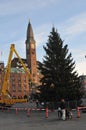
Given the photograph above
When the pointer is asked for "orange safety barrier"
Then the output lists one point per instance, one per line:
(16, 111)
(78, 112)
(46, 112)
(2, 109)
(8, 109)
(28, 112)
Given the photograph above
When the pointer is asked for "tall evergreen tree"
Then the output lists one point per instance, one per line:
(59, 80)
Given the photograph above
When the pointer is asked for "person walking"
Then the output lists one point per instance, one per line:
(63, 108)
(59, 113)
(37, 103)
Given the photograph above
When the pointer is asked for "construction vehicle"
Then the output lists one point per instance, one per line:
(5, 97)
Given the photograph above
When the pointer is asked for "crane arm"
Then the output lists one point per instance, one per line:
(7, 73)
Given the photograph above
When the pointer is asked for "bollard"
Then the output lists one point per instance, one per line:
(16, 111)
(2, 109)
(47, 112)
(78, 112)
(8, 109)
(28, 112)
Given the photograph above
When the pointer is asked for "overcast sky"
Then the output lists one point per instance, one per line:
(67, 16)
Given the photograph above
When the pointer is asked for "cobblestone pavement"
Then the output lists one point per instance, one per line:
(10, 120)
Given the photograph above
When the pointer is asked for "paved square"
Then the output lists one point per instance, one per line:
(37, 120)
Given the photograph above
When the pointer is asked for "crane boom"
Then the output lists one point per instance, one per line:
(7, 73)
(4, 91)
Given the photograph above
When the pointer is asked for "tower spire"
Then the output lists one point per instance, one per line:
(31, 52)
(30, 35)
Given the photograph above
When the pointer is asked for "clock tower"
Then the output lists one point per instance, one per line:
(31, 52)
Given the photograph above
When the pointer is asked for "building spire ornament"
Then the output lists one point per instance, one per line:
(30, 35)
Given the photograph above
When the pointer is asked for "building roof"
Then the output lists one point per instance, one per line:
(16, 66)
(17, 70)
(15, 62)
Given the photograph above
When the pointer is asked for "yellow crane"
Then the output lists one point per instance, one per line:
(5, 98)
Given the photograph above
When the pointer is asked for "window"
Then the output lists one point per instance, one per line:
(19, 88)
(14, 88)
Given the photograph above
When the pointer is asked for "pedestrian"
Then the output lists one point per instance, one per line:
(63, 108)
(37, 103)
(59, 113)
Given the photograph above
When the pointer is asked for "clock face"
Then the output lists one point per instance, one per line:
(32, 46)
